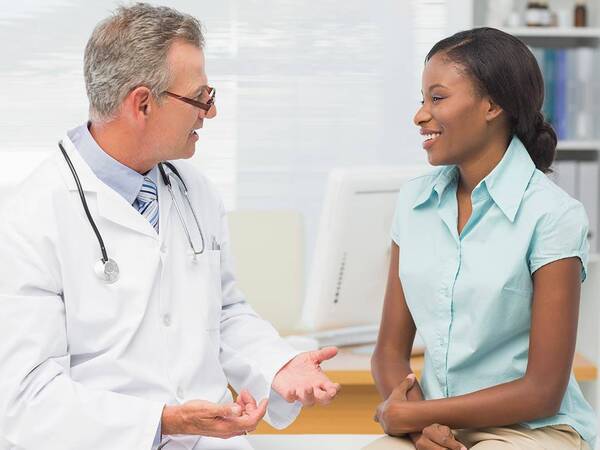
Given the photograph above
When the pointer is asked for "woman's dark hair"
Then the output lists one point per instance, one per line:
(502, 67)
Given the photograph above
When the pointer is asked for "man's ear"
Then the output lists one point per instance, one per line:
(139, 102)
(493, 109)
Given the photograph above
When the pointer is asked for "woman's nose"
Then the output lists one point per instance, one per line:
(421, 116)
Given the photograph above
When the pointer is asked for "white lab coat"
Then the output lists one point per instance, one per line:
(89, 365)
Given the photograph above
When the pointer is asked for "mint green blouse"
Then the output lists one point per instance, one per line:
(470, 295)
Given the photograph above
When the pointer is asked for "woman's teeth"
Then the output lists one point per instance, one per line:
(431, 136)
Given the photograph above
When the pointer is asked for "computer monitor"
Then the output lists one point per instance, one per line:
(348, 276)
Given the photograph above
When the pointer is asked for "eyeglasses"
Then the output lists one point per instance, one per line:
(205, 106)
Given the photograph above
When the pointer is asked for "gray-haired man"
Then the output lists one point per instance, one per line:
(92, 357)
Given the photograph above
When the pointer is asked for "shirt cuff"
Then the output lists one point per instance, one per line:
(158, 437)
(280, 413)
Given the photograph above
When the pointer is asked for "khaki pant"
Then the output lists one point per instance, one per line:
(559, 437)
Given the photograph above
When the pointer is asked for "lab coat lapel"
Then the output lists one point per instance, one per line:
(110, 205)
(165, 202)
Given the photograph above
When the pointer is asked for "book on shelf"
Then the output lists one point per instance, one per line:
(570, 90)
(580, 180)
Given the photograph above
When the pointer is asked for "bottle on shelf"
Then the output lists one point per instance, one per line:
(537, 14)
(580, 16)
(532, 14)
(546, 14)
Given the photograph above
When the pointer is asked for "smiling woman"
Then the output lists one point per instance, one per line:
(487, 260)
(458, 89)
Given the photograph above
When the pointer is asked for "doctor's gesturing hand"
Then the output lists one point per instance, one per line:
(199, 417)
(303, 380)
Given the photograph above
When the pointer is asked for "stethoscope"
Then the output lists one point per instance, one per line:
(107, 268)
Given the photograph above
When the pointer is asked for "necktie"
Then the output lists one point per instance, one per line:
(148, 202)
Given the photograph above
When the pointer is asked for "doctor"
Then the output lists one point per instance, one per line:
(122, 330)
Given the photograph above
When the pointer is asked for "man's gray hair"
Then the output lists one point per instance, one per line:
(129, 49)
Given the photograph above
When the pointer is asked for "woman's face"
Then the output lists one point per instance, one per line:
(453, 117)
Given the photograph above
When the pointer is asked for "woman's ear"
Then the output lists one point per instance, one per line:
(493, 109)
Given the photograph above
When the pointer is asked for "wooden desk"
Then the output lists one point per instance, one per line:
(352, 410)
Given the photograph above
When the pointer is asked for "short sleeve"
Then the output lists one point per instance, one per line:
(397, 217)
(561, 234)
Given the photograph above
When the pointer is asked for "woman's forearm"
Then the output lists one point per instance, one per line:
(514, 402)
(388, 372)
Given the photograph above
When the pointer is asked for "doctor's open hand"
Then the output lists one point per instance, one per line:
(199, 417)
(302, 379)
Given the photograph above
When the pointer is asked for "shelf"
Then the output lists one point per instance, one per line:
(577, 151)
(575, 146)
(555, 32)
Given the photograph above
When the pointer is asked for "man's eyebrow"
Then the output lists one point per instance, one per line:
(198, 90)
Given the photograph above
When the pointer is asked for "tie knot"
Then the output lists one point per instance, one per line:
(148, 191)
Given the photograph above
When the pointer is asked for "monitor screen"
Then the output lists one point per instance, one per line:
(348, 276)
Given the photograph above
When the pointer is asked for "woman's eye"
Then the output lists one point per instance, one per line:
(434, 99)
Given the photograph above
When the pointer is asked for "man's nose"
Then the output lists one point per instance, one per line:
(211, 113)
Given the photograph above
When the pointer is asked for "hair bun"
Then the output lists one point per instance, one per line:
(542, 144)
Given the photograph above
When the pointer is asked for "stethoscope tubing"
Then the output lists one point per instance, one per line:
(183, 189)
(85, 205)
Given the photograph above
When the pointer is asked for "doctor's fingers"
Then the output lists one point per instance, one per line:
(322, 397)
(325, 392)
(306, 395)
(324, 354)
(246, 401)
(248, 422)
(252, 414)
(331, 388)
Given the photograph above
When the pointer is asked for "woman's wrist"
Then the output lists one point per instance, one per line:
(408, 417)
(414, 437)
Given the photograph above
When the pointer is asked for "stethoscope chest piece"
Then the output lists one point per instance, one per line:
(107, 271)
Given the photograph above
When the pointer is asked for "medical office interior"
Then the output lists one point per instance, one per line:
(313, 139)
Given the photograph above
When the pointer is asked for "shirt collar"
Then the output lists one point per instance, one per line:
(508, 181)
(440, 180)
(122, 179)
(506, 184)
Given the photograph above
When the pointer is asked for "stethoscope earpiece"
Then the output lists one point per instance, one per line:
(107, 271)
